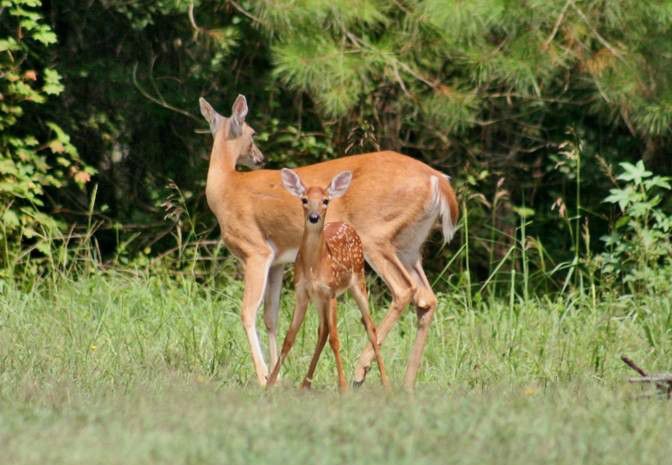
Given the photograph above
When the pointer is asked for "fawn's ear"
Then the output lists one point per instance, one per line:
(238, 114)
(292, 182)
(211, 116)
(339, 184)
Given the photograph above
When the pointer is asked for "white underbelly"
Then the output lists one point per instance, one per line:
(285, 256)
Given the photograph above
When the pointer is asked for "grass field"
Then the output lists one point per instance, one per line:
(130, 368)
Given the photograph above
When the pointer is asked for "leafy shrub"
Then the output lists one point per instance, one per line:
(639, 243)
(35, 153)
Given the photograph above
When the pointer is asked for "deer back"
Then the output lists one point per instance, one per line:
(391, 197)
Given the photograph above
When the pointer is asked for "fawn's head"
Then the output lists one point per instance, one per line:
(234, 130)
(315, 200)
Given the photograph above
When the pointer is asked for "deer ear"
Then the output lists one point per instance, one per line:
(339, 184)
(211, 116)
(238, 114)
(292, 182)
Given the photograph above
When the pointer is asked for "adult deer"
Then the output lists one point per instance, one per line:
(393, 202)
(330, 260)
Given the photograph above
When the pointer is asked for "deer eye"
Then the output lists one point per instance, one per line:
(325, 202)
(304, 201)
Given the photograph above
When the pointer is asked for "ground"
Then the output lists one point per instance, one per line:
(130, 368)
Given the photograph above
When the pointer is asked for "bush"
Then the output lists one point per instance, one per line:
(35, 153)
(639, 247)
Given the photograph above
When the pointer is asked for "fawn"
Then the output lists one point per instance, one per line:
(329, 261)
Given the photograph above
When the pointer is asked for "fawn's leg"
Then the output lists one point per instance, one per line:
(297, 319)
(322, 333)
(335, 343)
(358, 290)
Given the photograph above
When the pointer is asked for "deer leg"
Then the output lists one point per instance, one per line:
(297, 319)
(322, 333)
(401, 285)
(335, 343)
(358, 290)
(256, 272)
(271, 308)
(425, 302)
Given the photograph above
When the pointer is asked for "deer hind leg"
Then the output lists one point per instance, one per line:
(271, 308)
(322, 333)
(358, 290)
(335, 343)
(402, 287)
(425, 304)
(256, 273)
(297, 319)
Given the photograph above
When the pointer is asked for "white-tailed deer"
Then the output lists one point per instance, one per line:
(393, 202)
(329, 261)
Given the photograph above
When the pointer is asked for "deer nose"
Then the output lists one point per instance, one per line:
(313, 218)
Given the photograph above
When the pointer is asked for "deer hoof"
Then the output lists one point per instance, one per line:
(359, 378)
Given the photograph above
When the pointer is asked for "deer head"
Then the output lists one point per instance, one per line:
(315, 200)
(235, 131)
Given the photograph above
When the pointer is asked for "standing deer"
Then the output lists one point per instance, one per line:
(329, 261)
(393, 202)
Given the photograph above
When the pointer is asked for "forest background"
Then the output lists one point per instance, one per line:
(528, 106)
(120, 334)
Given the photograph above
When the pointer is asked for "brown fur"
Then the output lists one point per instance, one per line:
(391, 203)
(329, 261)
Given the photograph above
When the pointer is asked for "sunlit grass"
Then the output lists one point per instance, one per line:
(122, 367)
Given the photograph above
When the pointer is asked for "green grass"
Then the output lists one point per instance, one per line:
(204, 423)
(123, 367)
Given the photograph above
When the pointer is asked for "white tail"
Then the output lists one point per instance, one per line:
(390, 203)
(442, 203)
(330, 260)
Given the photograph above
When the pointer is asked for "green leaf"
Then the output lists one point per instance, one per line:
(524, 212)
(611, 239)
(657, 181)
(52, 82)
(64, 144)
(8, 44)
(623, 197)
(44, 247)
(10, 219)
(634, 172)
(622, 221)
(8, 167)
(45, 35)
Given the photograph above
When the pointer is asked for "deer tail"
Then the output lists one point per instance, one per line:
(446, 203)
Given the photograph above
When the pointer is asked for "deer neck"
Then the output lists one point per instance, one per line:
(313, 249)
(221, 170)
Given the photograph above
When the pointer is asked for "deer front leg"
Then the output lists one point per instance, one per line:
(256, 272)
(297, 319)
(322, 334)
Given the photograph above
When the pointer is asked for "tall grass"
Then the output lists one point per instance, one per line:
(131, 367)
(145, 361)
(118, 328)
